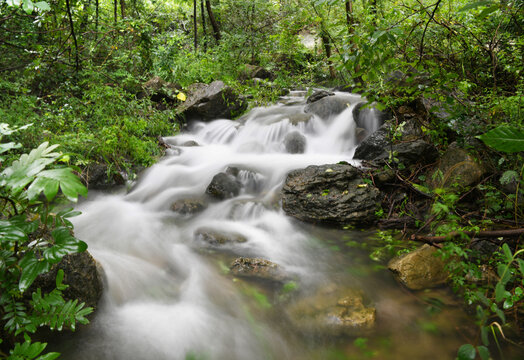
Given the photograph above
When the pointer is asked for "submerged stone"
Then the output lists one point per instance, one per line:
(420, 269)
(223, 186)
(189, 206)
(332, 311)
(218, 237)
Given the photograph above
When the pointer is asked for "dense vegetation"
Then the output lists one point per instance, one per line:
(75, 69)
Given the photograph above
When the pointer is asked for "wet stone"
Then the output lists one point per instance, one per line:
(258, 269)
(189, 206)
(223, 186)
(218, 237)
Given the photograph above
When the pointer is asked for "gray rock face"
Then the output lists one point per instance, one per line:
(295, 143)
(98, 178)
(189, 206)
(223, 186)
(374, 145)
(458, 167)
(328, 106)
(369, 117)
(317, 95)
(159, 90)
(413, 152)
(216, 237)
(258, 269)
(213, 101)
(83, 275)
(331, 194)
(420, 269)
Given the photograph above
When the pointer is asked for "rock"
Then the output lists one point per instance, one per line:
(332, 311)
(420, 269)
(361, 134)
(254, 71)
(249, 180)
(436, 108)
(374, 145)
(159, 90)
(190, 143)
(259, 269)
(82, 273)
(330, 194)
(223, 186)
(295, 142)
(213, 101)
(98, 177)
(298, 118)
(369, 117)
(317, 95)
(189, 206)
(410, 153)
(216, 237)
(459, 168)
(329, 106)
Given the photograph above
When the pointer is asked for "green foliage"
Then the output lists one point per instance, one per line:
(505, 138)
(33, 237)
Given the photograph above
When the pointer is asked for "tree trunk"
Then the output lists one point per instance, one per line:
(115, 8)
(327, 48)
(195, 23)
(349, 15)
(203, 14)
(123, 8)
(214, 23)
(77, 59)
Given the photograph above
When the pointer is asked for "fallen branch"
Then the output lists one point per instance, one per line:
(481, 234)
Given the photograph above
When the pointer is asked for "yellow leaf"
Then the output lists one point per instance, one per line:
(181, 96)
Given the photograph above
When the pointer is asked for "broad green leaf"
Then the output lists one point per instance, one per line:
(28, 6)
(49, 356)
(466, 352)
(507, 253)
(42, 184)
(476, 5)
(65, 243)
(42, 5)
(484, 13)
(9, 146)
(484, 335)
(483, 352)
(11, 233)
(504, 273)
(69, 183)
(505, 138)
(521, 266)
(31, 268)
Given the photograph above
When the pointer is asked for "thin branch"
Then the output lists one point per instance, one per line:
(421, 51)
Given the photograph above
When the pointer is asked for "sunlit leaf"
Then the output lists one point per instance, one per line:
(505, 138)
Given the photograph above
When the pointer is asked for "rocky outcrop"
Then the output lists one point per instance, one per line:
(410, 153)
(374, 145)
(420, 269)
(256, 72)
(329, 106)
(223, 186)
(333, 311)
(189, 206)
(258, 269)
(98, 177)
(317, 95)
(331, 194)
(218, 237)
(295, 142)
(213, 101)
(159, 90)
(83, 275)
(458, 167)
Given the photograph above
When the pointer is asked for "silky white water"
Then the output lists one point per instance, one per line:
(168, 296)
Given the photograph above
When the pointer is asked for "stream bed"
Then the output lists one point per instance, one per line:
(170, 292)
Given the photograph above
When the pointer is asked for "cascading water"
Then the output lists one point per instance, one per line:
(168, 294)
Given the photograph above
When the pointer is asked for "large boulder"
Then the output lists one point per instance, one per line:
(213, 101)
(420, 269)
(458, 167)
(223, 186)
(410, 153)
(82, 273)
(329, 106)
(258, 269)
(99, 177)
(256, 72)
(332, 311)
(331, 194)
(160, 91)
(295, 142)
(317, 95)
(374, 145)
